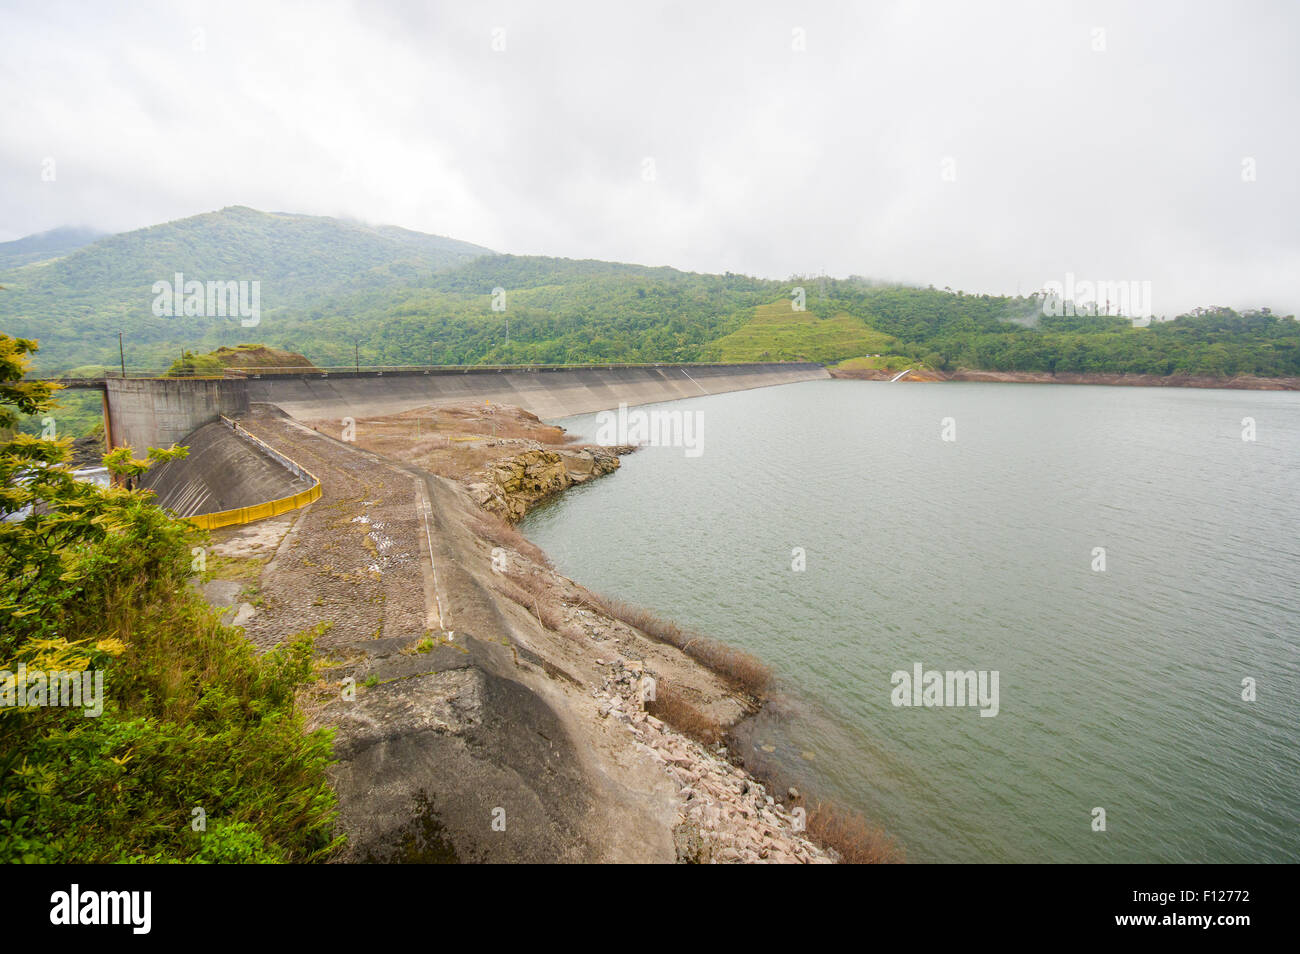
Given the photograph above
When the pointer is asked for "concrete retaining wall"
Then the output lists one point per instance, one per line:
(547, 392)
(159, 412)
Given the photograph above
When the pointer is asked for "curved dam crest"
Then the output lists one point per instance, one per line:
(222, 472)
(547, 392)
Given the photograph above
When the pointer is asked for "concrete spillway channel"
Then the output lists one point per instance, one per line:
(222, 472)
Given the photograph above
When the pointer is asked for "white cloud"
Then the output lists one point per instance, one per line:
(1122, 164)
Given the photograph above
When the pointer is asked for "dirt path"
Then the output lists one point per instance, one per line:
(353, 559)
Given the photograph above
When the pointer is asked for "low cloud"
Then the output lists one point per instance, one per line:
(990, 147)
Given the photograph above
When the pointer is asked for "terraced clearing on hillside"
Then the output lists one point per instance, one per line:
(778, 333)
(882, 362)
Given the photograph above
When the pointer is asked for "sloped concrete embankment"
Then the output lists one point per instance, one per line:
(472, 731)
(221, 472)
(547, 392)
(457, 743)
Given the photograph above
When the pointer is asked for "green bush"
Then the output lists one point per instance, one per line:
(199, 753)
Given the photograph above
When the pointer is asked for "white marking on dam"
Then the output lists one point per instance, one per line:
(426, 507)
(694, 382)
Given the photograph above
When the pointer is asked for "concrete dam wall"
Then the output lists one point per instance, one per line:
(159, 412)
(226, 472)
(547, 392)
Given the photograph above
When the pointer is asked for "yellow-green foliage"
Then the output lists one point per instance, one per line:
(199, 752)
(779, 333)
(885, 362)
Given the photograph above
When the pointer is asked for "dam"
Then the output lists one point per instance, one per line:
(227, 471)
(454, 694)
(547, 391)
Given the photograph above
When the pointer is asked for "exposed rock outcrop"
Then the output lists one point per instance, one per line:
(512, 485)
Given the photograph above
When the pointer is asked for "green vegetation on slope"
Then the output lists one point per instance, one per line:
(241, 356)
(948, 330)
(199, 753)
(77, 304)
(885, 362)
(556, 311)
(338, 292)
(779, 333)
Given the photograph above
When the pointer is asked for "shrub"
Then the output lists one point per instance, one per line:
(850, 835)
(533, 593)
(194, 723)
(741, 668)
(676, 710)
(496, 530)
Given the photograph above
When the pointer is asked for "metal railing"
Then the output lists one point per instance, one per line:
(378, 369)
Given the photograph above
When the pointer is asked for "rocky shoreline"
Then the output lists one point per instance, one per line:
(495, 686)
(725, 814)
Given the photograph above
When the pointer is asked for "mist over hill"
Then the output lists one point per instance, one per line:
(45, 246)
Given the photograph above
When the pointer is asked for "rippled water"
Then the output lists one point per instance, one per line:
(1119, 689)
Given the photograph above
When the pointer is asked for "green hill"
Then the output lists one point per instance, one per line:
(555, 310)
(45, 246)
(337, 292)
(779, 333)
(76, 305)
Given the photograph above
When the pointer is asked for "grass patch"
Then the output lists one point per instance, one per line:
(217, 567)
(677, 711)
(500, 532)
(883, 362)
(778, 333)
(850, 835)
(533, 593)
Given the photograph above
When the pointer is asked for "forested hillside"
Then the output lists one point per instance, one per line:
(44, 246)
(947, 330)
(77, 304)
(341, 292)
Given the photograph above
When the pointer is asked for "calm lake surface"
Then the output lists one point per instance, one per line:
(1118, 689)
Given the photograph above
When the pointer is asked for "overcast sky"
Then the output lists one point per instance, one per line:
(985, 146)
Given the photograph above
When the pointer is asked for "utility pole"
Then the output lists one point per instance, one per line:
(121, 353)
(356, 353)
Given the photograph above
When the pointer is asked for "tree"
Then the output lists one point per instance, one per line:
(50, 516)
(94, 583)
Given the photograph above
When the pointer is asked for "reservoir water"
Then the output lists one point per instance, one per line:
(1120, 683)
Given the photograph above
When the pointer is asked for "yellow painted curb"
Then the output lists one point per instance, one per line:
(272, 508)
